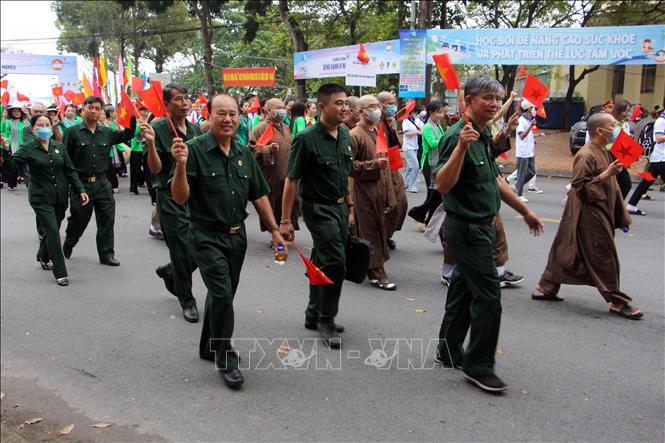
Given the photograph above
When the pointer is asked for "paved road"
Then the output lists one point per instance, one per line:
(106, 348)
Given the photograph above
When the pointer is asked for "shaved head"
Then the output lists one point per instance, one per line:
(386, 97)
(273, 103)
(367, 100)
(599, 120)
(353, 101)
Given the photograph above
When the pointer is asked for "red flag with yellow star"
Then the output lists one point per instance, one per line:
(315, 275)
(626, 149)
(125, 110)
(447, 71)
(363, 56)
(535, 91)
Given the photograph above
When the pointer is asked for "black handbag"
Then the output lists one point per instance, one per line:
(358, 252)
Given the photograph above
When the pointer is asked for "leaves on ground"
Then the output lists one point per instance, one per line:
(284, 349)
(259, 311)
(66, 430)
(499, 351)
(32, 421)
(410, 299)
(172, 317)
(524, 391)
(101, 425)
(420, 311)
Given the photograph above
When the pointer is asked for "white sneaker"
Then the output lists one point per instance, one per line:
(413, 189)
(535, 190)
(523, 199)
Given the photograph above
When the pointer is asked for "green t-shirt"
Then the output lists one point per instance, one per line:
(299, 124)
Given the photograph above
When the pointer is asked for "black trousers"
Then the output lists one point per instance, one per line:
(136, 175)
(657, 169)
(112, 175)
(424, 212)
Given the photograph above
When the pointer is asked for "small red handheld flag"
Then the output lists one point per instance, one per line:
(408, 109)
(125, 110)
(504, 156)
(315, 275)
(61, 110)
(137, 84)
(535, 91)
(78, 99)
(57, 91)
(268, 134)
(646, 175)
(4, 84)
(381, 142)
(256, 105)
(637, 112)
(395, 158)
(69, 94)
(22, 98)
(447, 71)
(363, 56)
(541, 112)
(626, 149)
(521, 73)
(5, 98)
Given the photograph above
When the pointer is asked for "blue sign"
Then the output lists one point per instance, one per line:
(413, 63)
(623, 45)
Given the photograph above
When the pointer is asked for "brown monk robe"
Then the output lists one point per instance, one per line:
(395, 218)
(583, 251)
(273, 166)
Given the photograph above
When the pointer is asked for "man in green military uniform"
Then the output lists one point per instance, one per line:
(218, 177)
(320, 162)
(174, 218)
(88, 145)
(472, 189)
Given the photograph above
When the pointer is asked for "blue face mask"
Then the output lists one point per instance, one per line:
(44, 133)
(391, 110)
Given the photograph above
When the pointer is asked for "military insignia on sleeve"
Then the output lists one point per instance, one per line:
(239, 162)
(57, 151)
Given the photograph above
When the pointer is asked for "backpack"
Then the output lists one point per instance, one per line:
(646, 138)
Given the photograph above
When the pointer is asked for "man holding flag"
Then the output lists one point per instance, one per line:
(472, 189)
(320, 163)
(174, 218)
(218, 177)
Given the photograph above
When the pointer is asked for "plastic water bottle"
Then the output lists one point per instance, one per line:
(280, 256)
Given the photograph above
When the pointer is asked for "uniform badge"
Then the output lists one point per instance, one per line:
(213, 174)
(482, 162)
(57, 152)
(239, 162)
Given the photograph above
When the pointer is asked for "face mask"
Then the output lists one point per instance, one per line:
(373, 116)
(44, 133)
(391, 110)
(280, 114)
(612, 136)
(533, 113)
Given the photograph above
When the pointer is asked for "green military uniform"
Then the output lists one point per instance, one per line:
(220, 187)
(51, 175)
(174, 218)
(474, 297)
(89, 152)
(322, 166)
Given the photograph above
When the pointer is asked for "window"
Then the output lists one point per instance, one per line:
(648, 83)
(619, 77)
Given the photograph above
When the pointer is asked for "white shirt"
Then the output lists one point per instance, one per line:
(410, 143)
(524, 148)
(658, 153)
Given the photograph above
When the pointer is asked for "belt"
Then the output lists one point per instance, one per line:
(91, 178)
(219, 227)
(338, 201)
(477, 221)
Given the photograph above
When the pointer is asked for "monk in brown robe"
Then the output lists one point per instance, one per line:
(372, 190)
(395, 218)
(353, 116)
(274, 156)
(583, 251)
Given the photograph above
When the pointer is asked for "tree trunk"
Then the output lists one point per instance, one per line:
(298, 38)
(206, 34)
(572, 84)
(443, 23)
(424, 14)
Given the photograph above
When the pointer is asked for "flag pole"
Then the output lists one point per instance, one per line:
(462, 106)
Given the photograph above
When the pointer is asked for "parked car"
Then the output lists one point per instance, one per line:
(578, 130)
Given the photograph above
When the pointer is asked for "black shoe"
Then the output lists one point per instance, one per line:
(46, 265)
(391, 244)
(191, 314)
(134, 192)
(310, 323)
(510, 279)
(445, 363)
(329, 335)
(63, 281)
(67, 250)
(168, 282)
(232, 378)
(489, 383)
(110, 261)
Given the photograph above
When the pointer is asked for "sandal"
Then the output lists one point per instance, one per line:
(387, 286)
(546, 297)
(627, 311)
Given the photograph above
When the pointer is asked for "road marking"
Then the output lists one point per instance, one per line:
(550, 220)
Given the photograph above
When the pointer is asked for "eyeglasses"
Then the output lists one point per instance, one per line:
(373, 107)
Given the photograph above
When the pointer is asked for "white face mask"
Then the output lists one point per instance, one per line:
(533, 112)
(373, 116)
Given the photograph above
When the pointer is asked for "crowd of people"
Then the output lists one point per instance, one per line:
(320, 160)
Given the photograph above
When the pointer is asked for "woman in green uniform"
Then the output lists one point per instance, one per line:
(12, 129)
(298, 122)
(52, 173)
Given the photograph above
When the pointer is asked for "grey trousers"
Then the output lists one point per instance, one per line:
(526, 169)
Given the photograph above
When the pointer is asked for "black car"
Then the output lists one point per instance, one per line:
(578, 130)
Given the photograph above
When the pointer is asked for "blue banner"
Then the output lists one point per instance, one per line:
(413, 63)
(623, 45)
(64, 66)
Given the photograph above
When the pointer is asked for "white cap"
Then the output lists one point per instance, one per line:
(526, 105)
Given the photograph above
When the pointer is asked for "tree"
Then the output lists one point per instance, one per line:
(297, 36)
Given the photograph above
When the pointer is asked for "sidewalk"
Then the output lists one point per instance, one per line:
(553, 156)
